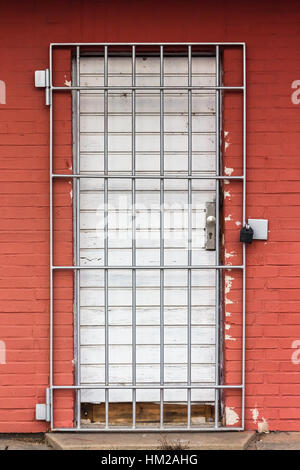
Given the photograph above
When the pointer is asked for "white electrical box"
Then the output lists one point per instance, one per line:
(40, 412)
(260, 228)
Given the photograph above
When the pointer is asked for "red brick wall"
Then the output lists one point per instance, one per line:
(271, 32)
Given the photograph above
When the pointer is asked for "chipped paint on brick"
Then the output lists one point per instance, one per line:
(263, 426)
(228, 171)
(226, 139)
(229, 254)
(228, 283)
(231, 416)
(229, 338)
(255, 414)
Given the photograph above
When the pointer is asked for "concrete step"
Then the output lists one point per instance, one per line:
(150, 441)
(279, 441)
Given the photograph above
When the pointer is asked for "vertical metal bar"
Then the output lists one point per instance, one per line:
(106, 236)
(133, 228)
(51, 237)
(217, 254)
(161, 245)
(244, 245)
(77, 256)
(189, 300)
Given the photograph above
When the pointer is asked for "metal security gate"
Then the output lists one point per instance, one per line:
(100, 171)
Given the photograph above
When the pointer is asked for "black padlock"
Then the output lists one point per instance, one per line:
(246, 234)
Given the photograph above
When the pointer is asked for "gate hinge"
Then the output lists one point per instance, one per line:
(42, 80)
(43, 410)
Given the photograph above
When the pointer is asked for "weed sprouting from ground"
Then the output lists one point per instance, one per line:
(172, 445)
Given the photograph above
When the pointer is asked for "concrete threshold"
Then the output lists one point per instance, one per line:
(234, 440)
(278, 441)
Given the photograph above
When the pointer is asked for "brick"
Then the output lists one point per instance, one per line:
(273, 299)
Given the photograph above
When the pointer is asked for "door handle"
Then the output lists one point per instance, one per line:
(210, 226)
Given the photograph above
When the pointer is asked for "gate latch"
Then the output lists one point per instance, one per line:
(42, 80)
(210, 226)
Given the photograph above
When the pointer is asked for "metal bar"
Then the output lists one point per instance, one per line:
(133, 247)
(167, 177)
(74, 207)
(203, 266)
(217, 255)
(77, 245)
(244, 245)
(161, 241)
(106, 236)
(189, 272)
(51, 239)
(64, 44)
(144, 387)
(127, 87)
(146, 429)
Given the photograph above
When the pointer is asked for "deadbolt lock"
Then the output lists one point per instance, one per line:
(210, 226)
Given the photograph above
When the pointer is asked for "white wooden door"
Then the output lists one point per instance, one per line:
(92, 326)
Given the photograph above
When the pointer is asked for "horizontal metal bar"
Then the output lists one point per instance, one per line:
(146, 429)
(166, 177)
(153, 87)
(145, 387)
(152, 267)
(63, 44)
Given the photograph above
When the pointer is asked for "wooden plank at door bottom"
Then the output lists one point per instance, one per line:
(146, 413)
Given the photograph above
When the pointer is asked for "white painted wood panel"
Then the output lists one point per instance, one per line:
(174, 395)
(147, 335)
(119, 316)
(147, 373)
(147, 278)
(121, 123)
(92, 142)
(145, 296)
(121, 354)
(120, 162)
(92, 330)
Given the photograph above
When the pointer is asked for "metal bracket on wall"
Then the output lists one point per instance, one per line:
(43, 410)
(42, 80)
